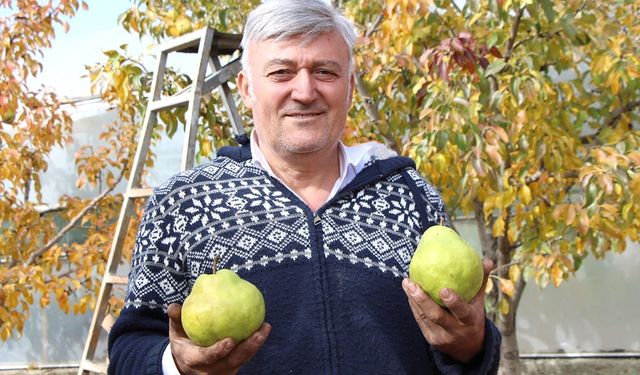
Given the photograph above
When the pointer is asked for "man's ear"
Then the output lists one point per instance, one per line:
(244, 86)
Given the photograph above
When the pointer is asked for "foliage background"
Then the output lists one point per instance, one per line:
(524, 114)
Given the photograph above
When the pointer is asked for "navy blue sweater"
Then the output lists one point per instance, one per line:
(331, 280)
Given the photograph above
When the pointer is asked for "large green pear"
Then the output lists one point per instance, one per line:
(222, 305)
(444, 260)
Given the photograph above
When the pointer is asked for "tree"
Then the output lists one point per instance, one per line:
(36, 262)
(523, 113)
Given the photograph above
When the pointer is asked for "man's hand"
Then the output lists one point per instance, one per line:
(223, 357)
(458, 332)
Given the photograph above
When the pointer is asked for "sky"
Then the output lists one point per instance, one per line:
(91, 32)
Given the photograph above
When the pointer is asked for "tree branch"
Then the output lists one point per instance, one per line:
(45, 210)
(374, 25)
(372, 110)
(36, 254)
(514, 34)
(617, 114)
(518, 292)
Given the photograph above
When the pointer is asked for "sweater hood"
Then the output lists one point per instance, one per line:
(376, 162)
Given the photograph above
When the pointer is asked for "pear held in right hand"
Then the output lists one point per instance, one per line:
(444, 260)
(222, 305)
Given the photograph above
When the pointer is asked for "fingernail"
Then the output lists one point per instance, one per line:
(259, 339)
(228, 345)
(412, 287)
(445, 293)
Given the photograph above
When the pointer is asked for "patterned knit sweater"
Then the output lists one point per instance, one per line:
(331, 279)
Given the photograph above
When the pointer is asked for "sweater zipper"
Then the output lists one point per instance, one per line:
(330, 343)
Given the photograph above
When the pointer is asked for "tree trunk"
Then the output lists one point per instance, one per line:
(509, 353)
(506, 323)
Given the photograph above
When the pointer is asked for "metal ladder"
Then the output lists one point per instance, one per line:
(208, 44)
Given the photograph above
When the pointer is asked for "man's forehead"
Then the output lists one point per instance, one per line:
(303, 39)
(278, 61)
(299, 40)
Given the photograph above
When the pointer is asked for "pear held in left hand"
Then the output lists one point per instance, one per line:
(222, 305)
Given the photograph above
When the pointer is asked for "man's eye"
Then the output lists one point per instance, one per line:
(280, 74)
(326, 74)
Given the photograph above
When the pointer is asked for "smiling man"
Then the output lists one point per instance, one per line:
(299, 90)
(325, 231)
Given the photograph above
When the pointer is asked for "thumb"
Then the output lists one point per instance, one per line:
(487, 266)
(175, 320)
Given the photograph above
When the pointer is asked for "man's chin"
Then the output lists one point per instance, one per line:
(302, 146)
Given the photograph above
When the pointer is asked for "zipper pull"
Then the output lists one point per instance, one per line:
(316, 219)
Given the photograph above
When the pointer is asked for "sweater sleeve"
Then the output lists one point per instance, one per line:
(486, 362)
(157, 278)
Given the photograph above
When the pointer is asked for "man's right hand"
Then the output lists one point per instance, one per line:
(224, 357)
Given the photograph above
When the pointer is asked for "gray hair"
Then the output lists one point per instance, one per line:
(282, 19)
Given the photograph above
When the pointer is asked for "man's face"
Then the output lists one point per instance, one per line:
(299, 93)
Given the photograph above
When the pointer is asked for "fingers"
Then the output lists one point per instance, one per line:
(185, 351)
(427, 308)
(249, 347)
(175, 321)
(487, 266)
(456, 305)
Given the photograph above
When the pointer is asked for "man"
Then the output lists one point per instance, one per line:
(325, 231)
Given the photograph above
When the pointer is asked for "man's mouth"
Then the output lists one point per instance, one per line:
(303, 115)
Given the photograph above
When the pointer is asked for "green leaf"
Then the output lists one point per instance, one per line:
(494, 67)
(442, 137)
(567, 26)
(492, 40)
(461, 141)
(549, 12)
(577, 262)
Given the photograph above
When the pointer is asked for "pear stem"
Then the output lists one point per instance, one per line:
(215, 263)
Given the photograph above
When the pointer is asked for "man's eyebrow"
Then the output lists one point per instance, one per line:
(288, 62)
(276, 61)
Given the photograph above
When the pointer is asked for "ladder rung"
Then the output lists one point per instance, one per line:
(116, 279)
(108, 322)
(183, 43)
(223, 75)
(93, 366)
(223, 44)
(169, 102)
(140, 193)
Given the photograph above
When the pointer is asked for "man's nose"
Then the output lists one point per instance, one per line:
(304, 87)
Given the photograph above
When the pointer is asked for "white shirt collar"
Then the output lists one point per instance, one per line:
(353, 159)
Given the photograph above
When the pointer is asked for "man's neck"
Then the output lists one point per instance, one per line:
(311, 176)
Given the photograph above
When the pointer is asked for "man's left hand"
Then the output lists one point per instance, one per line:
(458, 331)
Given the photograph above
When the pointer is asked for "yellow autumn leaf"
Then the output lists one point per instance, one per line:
(489, 287)
(525, 194)
(511, 234)
(613, 82)
(506, 286)
(375, 72)
(556, 275)
(503, 307)
(498, 227)
(5, 331)
(514, 273)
